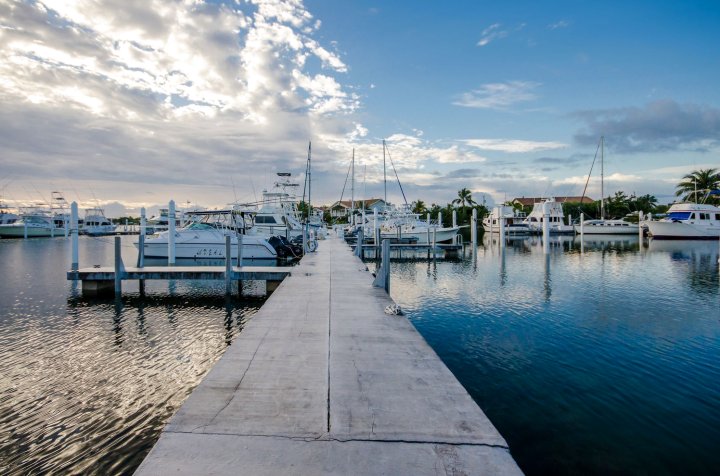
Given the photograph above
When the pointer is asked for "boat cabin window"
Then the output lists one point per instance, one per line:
(265, 219)
(704, 216)
(679, 215)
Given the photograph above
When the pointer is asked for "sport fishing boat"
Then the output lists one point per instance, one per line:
(514, 221)
(96, 223)
(687, 221)
(6, 217)
(204, 237)
(34, 222)
(536, 218)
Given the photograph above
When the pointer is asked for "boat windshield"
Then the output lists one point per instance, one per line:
(679, 215)
(199, 226)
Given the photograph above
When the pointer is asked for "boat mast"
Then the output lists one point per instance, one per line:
(384, 173)
(602, 178)
(352, 186)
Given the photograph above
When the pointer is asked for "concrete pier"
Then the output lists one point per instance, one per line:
(323, 381)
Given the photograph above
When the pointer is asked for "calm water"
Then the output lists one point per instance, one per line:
(86, 386)
(602, 362)
(606, 361)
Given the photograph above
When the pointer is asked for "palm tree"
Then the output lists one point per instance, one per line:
(464, 199)
(419, 207)
(702, 181)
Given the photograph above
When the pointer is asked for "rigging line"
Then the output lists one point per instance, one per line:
(590, 173)
(346, 179)
(396, 175)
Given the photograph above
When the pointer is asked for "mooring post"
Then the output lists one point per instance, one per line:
(376, 228)
(582, 232)
(141, 240)
(66, 224)
(359, 244)
(473, 227)
(228, 265)
(74, 235)
(640, 227)
(546, 226)
(502, 231)
(454, 218)
(305, 243)
(171, 232)
(382, 279)
(119, 267)
(439, 219)
(239, 249)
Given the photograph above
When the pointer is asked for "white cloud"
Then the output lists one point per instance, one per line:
(491, 33)
(558, 24)
(498, 95)
(513, 145)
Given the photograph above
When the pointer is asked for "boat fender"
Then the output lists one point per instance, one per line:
(393, 310)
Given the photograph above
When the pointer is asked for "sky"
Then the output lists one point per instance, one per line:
(130, 103)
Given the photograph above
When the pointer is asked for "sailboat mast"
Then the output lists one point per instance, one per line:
(384, 173)
(352, 185)
(602, 177)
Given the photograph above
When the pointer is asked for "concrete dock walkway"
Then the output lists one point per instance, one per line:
(322, 381)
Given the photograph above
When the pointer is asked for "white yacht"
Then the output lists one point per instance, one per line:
(34, 222)
(277, 214)
(536, 218)
(687, 221)
(204, 237)
(514, 221)
(96, 223)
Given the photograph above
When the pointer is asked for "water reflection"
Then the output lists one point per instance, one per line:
(588, 357)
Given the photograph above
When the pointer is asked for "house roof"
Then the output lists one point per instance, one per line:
(527, 201)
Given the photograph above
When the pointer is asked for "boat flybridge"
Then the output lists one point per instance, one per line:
(536, 218)
(506, 215)
(203, 236)
(96, 223)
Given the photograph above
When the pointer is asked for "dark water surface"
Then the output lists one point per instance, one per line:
(86, 386)
(602, 362)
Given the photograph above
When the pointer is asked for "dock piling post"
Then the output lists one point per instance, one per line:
(454, 218)
(546, 227)
(640, 227)
(502, 230)
(141, 248)
(473, 227)
(171, 232)
(239, 249)
(119, 268)
(305, 238)
(382, 280)
(359, 244)
(228, 266)
(440, 219)
(74, 235)
(582, 232)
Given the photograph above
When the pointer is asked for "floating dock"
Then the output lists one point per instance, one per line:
(323, 381)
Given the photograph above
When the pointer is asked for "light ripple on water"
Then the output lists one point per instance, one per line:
(607, 361)
(87, 385)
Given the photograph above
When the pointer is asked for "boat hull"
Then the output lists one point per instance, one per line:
(630, 229)
(12, 231)
(441, 235)
(210, 250)
(681, 231)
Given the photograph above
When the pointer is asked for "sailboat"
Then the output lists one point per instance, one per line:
(605, 226)
(402, 223)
